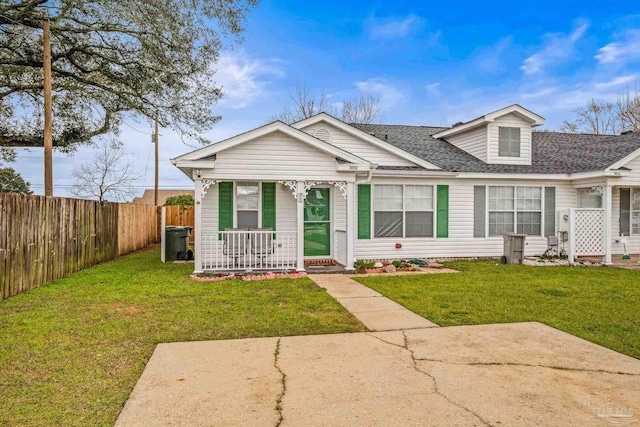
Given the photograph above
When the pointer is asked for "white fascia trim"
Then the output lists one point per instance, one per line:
(265, 130)
(195, 164)
(364, 136)
(625, 160)
(542, 176)
(601, 174)
(535, 120)
(410, 173)
(519, 176)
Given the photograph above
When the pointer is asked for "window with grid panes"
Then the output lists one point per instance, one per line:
(508, 142)
(398, 207)
(515, 208)
(635, 211)
(247, 205)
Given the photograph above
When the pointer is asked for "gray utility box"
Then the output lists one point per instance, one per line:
(176, 242)
(513, 248)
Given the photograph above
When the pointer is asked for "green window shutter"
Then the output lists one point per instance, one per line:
(550, 211)
(269, 205)
(625, 211)
(442, 212)
(364, 211)
(479, 212)
(225, 205)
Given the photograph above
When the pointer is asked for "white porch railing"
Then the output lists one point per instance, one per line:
(249, 250)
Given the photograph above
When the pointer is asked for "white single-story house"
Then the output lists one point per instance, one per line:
(281, 195)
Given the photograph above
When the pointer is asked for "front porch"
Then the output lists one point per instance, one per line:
(274, 226)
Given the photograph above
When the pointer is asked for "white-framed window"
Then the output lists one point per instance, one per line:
(589, 198)
(247, 204)
(515, 209)
(403, 210)
(508, 142)
(635, 211)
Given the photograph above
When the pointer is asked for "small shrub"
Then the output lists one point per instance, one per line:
(182, 200)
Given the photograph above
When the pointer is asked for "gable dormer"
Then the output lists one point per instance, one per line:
(500, 137)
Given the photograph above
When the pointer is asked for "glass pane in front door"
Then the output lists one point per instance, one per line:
(317, 223)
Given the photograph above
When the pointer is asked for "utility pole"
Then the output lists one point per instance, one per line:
(48, 113)
(156, 139)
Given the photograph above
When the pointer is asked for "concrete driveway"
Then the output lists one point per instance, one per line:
(525, 374)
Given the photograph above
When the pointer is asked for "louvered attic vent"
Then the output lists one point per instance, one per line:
(323, 134)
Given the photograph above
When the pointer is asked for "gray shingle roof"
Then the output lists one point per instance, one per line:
(553, 152)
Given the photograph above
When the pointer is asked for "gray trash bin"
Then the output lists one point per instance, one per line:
(513, 248)
(176, 242)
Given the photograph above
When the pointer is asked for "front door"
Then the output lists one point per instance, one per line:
(317, 223)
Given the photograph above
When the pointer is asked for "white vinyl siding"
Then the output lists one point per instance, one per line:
(632, 181)
(461, 242)
(493, 134)
(359, 147)
(473, 142)
(272, 157)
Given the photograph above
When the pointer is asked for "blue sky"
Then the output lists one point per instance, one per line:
(430, 63)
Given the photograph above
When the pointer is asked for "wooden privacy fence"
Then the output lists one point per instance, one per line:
(46, 238)
(137, 227)
(181, 215)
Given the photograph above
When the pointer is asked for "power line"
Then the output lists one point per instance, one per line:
(137, 130)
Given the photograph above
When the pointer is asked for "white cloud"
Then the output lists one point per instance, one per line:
(244, 79)
(489, 59)
(625, 50)
(536, 94)
(393, 28)
(557, 47)
(433, 88)
(388, 94)
(618, 81)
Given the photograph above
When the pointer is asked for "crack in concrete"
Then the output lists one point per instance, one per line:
(433, 379)
(284, 385)
(527, 365)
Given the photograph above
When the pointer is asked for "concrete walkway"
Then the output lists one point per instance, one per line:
(376, 312)
(524, 374)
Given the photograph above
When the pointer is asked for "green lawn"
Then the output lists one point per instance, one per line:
(71, 351)
(601, 305)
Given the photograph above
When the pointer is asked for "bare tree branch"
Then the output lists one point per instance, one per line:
(108, 176)
(628, 105)
(362, 109)
(600, 118)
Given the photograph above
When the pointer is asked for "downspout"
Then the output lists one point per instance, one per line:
(369, 175)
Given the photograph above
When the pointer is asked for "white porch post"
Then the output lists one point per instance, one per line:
(300, 225)
(198, 227)
(607, 201)
(351, 226)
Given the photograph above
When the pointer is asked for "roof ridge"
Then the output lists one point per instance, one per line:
(388, 124)
(575, 133)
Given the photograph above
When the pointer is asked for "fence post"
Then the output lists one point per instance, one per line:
(608, 220)
(163, 223)
(572, 235)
